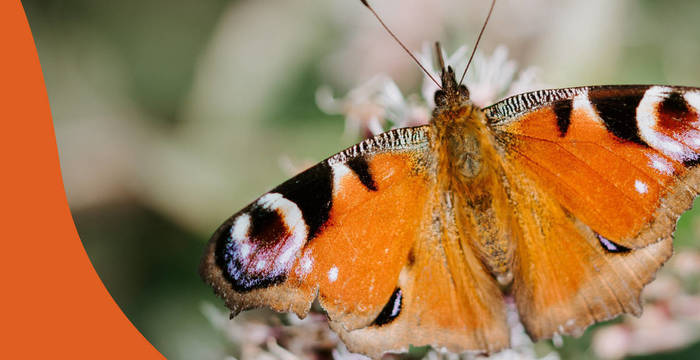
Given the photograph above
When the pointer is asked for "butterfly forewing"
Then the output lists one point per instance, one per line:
(620, 158)
(598, 176)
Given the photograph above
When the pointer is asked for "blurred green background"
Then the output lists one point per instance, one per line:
(172, 115)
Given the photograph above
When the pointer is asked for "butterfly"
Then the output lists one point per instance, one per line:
(564, 199)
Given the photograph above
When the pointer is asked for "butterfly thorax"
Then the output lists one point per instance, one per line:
(469, 175)
(458, 129)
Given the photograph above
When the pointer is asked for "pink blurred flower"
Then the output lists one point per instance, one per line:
(671, 318)
(379, 105)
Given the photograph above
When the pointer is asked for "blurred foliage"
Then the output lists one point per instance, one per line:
(158, 40)
(171, 115)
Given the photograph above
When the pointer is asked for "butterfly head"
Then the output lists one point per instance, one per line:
(451, 94)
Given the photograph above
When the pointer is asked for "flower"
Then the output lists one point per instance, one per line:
(369, 107)
(489, 78)
(379, 105)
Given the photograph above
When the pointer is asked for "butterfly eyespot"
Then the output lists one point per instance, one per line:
(261, 244)
(391, 310)
(674, 111)
(610, 246)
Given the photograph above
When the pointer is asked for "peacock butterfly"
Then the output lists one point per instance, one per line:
(565, 200)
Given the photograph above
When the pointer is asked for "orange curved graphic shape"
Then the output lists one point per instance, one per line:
(53, 303)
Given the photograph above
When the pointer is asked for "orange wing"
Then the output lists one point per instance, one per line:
(620, 158)
(357, 231)
(598, 177)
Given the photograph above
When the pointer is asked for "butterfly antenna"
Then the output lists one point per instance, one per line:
(365, 3)
(438, 53)
(493, 3)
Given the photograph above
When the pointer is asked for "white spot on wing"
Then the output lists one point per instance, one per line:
(396, 308)
(306, 264)
(640, 186)
(607, 243)
(581, 102)
(245, 250)
(340, 170)
(333, 274)
(660, 164)
(241, 226)
(646, 122)
(268, 200)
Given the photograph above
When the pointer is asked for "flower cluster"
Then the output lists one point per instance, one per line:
(379, 105)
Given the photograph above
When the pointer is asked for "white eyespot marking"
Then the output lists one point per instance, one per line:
(692, 138)
(292, 218)
(647, 117)
(333, 274)
(278, 254)
(269, 201)
(581, 103)
(660, 164)
(241, 226)
(245, 250)
(340, 170)
(641, 187)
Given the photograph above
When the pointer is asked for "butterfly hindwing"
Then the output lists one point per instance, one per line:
(566, 276)
(444, 298)
(598, 176)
